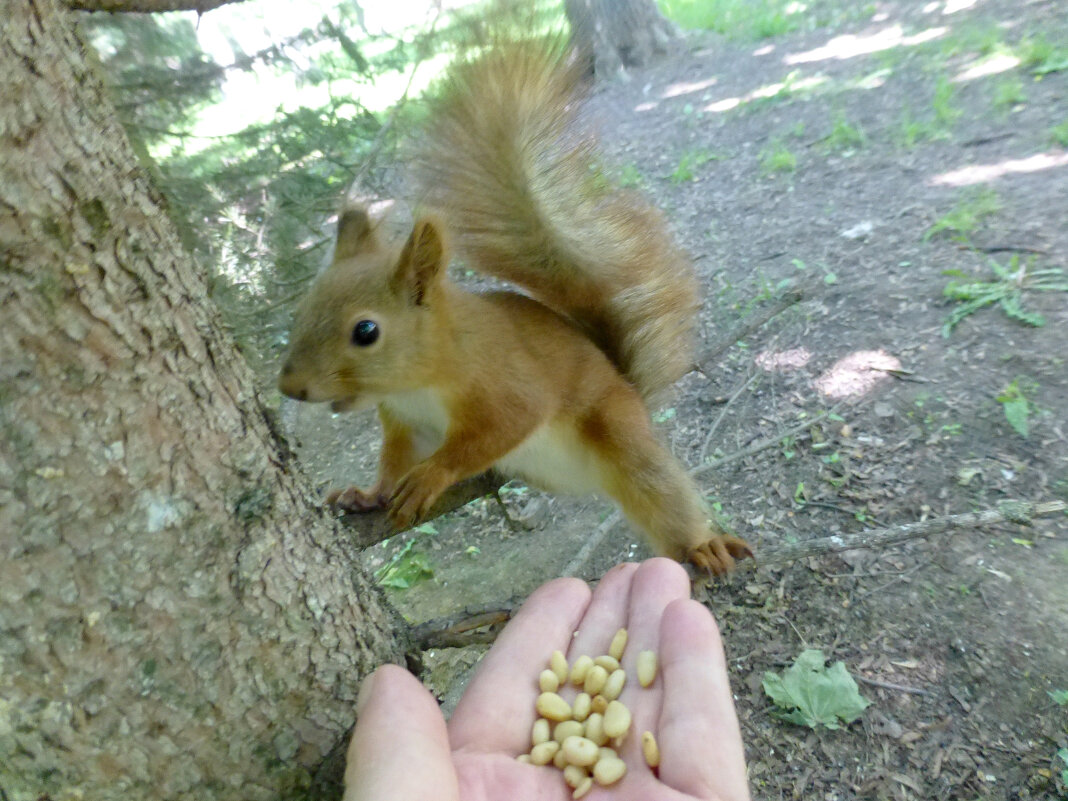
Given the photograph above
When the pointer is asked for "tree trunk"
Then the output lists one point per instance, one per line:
(177, 618)
(613, 34)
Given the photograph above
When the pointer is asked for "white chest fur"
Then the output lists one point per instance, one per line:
(551, 458)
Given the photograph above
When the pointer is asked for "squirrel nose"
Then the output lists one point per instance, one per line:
(291, 385)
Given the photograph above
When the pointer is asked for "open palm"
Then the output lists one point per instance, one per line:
(403, 749)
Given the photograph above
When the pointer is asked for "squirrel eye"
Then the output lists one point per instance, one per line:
(365, 333)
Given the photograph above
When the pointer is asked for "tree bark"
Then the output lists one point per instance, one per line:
(614, 34)
(148, 6)
(177, 618)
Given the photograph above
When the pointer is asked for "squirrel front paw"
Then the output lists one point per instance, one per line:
(416, 494)
(718, 553)
(354, 500)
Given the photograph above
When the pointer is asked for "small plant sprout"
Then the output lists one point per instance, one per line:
(689, 161)
(966, 215)
(777, 158)
(1059, 134)
(1017, 408)
(845, 136)
(1009, 93)
(1010, 283)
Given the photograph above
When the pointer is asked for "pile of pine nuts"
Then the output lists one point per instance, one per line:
(583, 738)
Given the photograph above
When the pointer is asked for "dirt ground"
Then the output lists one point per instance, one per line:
(964, 634)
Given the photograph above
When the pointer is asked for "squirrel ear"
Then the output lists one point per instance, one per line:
(421, 261)
(354, 233)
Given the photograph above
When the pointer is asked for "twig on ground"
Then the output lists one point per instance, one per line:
(886, 685)
(456, 631)
(575, 565)
(768, 442)
(1022, 512)
(723, 413)
(716, 349)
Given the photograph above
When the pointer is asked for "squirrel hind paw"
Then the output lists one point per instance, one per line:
(354, 500)
(718, 554)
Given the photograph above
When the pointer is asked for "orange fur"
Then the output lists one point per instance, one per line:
(552, 390)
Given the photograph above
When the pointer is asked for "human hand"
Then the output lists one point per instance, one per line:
(402, 749)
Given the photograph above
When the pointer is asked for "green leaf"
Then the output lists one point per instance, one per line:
(1016, 413)
(664, 415)
(407, 568)
(1060, 697)
(810, 694)
(1012, 306)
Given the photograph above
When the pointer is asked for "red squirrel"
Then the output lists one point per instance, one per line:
(551, 385)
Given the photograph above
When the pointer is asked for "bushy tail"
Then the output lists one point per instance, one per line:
(506, 163)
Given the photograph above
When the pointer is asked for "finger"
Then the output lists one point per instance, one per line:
(606, 614)
(656, 583)
(399, 725)
(700, 743)
(497, 709)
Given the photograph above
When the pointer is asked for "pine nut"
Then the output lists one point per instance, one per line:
(580, 669)
(609, 771)
(614, 685)
(595, 680)
(548, 682)
(583, 788)
(540, 732)
(619, 642)
(567, 728)
(543, 753)
(650, 750)
(580, 751)
(609, 663)
(580, 709)
(558, 665)
(646, 668)
(574, 776)
(616, 720)
(595, 729)
(553, 707)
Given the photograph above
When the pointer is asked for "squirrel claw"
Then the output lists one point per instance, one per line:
(416, 494)
(718, 554)
(354, 500)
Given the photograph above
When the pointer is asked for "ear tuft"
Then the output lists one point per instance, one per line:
(422, 260)
(355, 233)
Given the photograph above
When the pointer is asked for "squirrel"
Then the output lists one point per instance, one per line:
(551, 385)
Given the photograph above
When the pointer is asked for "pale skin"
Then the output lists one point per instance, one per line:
(402, 747)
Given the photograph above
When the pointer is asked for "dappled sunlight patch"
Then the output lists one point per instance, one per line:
(789, 86)
(983, 173)
(851, 45)
(856, 374)
(648, 105)
(764, 50)
(688, 87)
(953, 6)
(991, 65)
(783, 361)
(723, 105)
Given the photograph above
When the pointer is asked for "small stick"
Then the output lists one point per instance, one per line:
(1022, 512)
(886, 685)
(769, 442)
(713, 352)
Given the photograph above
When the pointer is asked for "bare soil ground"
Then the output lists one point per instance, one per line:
(970, 629)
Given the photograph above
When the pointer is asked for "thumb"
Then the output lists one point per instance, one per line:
(400, 747)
